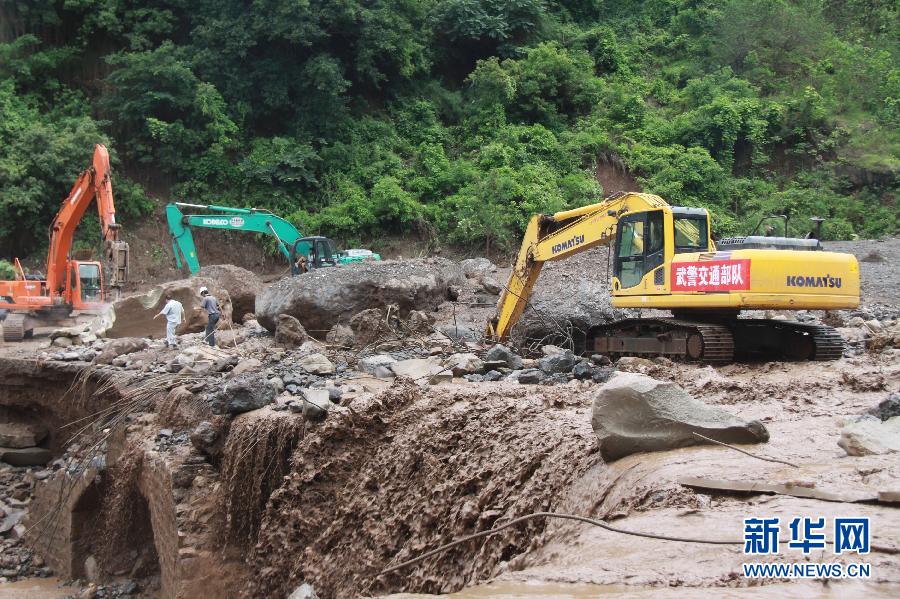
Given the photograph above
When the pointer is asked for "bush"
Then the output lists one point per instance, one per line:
(7, 271)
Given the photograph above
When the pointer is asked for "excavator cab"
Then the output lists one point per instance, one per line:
(85, 284)
(309, 253)
(645, 238)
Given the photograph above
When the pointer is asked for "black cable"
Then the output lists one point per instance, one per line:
(592, 521)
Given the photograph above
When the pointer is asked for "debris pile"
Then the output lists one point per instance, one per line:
(16, 557)
(323, 298)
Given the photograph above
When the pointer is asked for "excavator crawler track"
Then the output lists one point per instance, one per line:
(670, 337)
(765, 339)
(14, 328)
(719, 342)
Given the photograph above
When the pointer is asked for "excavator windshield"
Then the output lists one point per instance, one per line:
(89, 275)
(690, 232)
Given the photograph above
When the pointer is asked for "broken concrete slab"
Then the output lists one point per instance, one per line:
(316, 364)
(19, 435)
(26, 456)
(322, 298)
(423, 369)
(633, 413)
(807, 490)
(289, 333)
(871, 436)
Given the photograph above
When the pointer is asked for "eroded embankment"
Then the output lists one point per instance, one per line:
(411, 469)
(40, 392)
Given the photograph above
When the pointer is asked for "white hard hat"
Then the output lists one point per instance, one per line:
(203, 290)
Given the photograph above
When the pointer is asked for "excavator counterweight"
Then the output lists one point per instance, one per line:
(664, 258)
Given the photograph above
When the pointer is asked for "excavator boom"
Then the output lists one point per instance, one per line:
(558, 237)
(226, 218)
(93, 183)
(317, 252)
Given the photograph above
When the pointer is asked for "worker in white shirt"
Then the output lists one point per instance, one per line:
(173, 311)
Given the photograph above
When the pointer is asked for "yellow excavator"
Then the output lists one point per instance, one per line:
(664, 258)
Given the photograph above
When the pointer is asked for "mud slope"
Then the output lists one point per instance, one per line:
(411, 470)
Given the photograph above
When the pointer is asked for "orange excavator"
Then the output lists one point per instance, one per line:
(71, 285)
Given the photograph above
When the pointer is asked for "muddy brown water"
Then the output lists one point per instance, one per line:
(36, 588)
(527, 590)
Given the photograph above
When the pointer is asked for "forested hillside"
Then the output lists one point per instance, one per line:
(453, 118)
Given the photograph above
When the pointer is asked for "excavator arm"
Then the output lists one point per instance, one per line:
(224, 218)
(93, 183)
(557, 237)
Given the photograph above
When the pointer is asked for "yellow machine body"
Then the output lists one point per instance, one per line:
(658, 250)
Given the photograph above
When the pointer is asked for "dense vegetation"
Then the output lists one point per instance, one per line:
(455, 119)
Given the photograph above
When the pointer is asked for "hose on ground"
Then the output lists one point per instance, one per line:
(593, 521)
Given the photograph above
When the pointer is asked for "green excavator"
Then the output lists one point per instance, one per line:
(304, 253)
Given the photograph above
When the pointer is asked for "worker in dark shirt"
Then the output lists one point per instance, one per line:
(211, 306)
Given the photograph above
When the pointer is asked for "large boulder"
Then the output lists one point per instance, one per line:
(477, 267)
(871, 436)
(500, 354)
(633, 412)
(242, 394)
(560, 362)
(134, 316)
(120, 347)
(289, 333)
(242, 286)
(322, 298)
